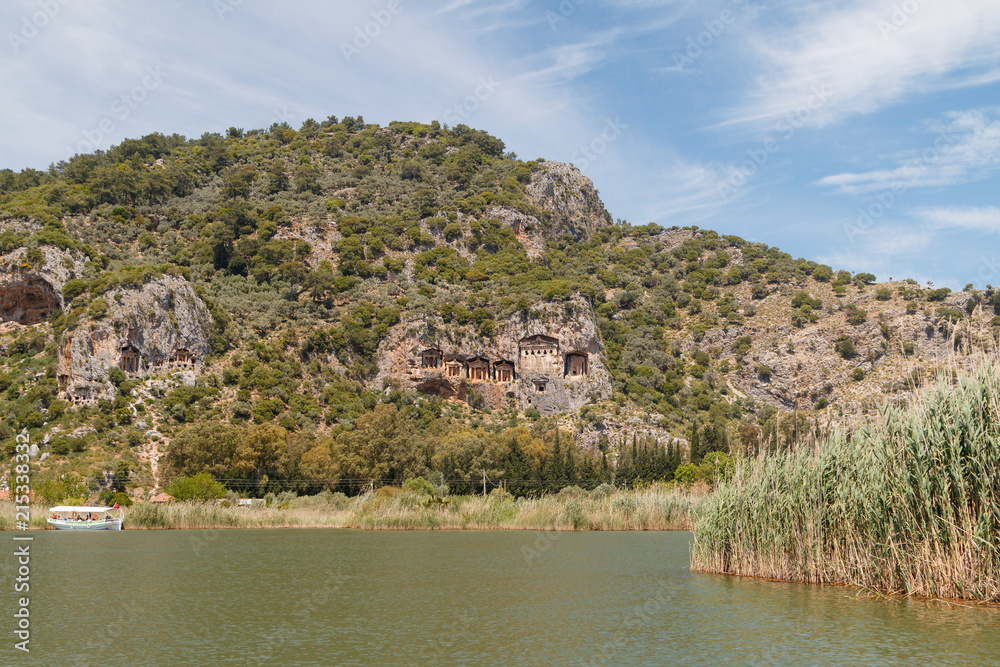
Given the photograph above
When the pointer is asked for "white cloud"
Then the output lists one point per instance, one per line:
(886, 251)
(970, 218)
(869, 54)
(681, 192)
(965, 148)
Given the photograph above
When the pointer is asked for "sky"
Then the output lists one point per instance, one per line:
(863, 134)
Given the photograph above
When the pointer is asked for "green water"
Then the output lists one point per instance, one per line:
(330, 597)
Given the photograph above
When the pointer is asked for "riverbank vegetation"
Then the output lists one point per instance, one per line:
(908, 504)
(659, 507)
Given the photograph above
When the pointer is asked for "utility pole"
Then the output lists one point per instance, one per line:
(484, 483)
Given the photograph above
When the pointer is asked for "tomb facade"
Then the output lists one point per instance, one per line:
(576, 365)
(479, 369)
(129, 362)
(503, 371)
(539, 354)
(454, 368)
(431, 359)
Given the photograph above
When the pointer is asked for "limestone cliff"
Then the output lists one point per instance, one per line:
(550, 359)
(161, 326)
(31, 289)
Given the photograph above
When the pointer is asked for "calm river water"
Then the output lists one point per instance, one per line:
(332, 597)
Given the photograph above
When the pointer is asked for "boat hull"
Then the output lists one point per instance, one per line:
(59, 524)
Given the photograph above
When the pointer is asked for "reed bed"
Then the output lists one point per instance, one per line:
(909, 504)
(650, 509)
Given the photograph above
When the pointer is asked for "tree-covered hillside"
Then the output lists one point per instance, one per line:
(308, 246)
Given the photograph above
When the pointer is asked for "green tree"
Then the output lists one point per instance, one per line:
(864, 278)
(307, 179)
(382, 447)
(237, 182)
(197, 487)
(277, 178)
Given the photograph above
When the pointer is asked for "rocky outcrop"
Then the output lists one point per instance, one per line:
(570, 197)
(551, 360)
(162, 326)
(527, 228)
(793, 367)
(569, 204)
(31, 290)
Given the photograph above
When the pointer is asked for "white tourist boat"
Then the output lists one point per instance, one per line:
(73, 517)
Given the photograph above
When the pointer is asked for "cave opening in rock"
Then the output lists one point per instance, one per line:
(27, 300)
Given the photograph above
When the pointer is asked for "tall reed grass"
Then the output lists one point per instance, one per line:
(651, 509)
(908, 504)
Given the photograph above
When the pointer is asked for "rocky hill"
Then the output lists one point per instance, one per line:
(304, 295)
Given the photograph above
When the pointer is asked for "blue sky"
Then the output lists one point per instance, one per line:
(864, 134)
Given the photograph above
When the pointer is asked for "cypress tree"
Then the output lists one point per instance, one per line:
(604, 474)
(588, 473)
(554, 473)
(643, 468)
(518, 469)
(662, 463)
(569, 467)
(695, 445)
